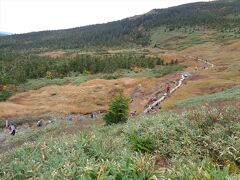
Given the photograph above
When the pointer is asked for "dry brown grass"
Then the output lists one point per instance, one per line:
(95, 95)
(91, 96)
(219, 54)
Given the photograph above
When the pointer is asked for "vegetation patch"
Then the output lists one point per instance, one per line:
(18, 69)
(164, 70)
(5, 94)
(233, 93)
(205, 148)
(142, 142)
(42, 82)
(179, 39)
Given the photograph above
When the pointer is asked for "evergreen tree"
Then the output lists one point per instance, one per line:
(118, 111)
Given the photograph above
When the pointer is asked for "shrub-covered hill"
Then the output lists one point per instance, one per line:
(221, 15)
(196, 144)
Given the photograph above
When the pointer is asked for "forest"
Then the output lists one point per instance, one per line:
(21, 68)
(221, 15)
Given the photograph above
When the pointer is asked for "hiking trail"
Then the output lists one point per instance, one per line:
(184, 75)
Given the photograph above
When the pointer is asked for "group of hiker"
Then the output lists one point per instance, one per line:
(81, 117)
(167, 91)
(40, 123)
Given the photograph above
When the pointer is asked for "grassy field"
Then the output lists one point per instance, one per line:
(34, 84)
(233, 93)
(178, 39)
(183, 38)
(192, 145)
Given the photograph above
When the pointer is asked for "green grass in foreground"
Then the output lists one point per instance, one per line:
(203, 144)
(233, 93)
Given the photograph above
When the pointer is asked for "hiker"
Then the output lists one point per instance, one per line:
(12, 129)
(168, 88)
(93, 115)
(150, 101)
(132, 114)
(80, 118)
(40, 123)
(154, 99)
(69, 118)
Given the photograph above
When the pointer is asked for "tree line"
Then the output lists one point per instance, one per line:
(32, 66)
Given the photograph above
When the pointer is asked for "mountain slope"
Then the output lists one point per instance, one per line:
(220, 15)
(196, 144)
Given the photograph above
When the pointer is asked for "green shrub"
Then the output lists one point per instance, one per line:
(118, 111)
(5, 94)
(50, 75)
(85, 72)
(142, 142)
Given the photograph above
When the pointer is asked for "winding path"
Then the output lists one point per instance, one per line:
(184, 75)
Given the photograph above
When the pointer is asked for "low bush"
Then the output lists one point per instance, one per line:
(5, 94)
(142, 142)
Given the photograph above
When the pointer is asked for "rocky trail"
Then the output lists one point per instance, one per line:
(183, 77)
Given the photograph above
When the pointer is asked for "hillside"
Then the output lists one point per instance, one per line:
(179, 69)
(221, 16)
(200, 143)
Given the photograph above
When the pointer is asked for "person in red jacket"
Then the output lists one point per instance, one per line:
(168, 88)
